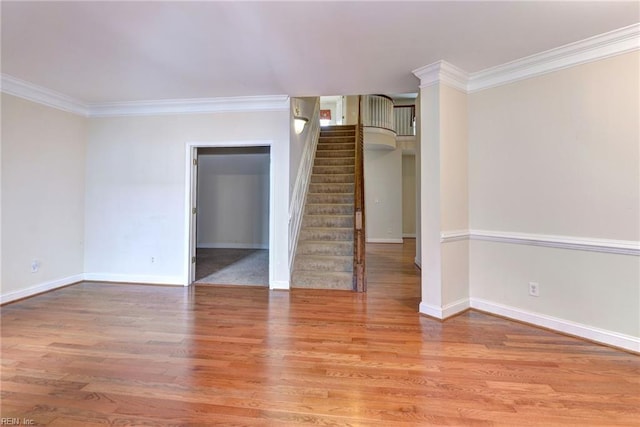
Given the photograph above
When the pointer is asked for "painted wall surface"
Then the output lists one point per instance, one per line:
(233, 201)
(408, 196)
(136, 190)
(43, 157)
(559, 155)
(383, 195)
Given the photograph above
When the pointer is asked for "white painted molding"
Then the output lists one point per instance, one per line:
(445, 312)
(595, 48)
(279, 285)
(191, 106)
(41, 95)
(625, 247)
(136, 279)
(375, 240)
(40, 288)
(418, 262)
(408, 235)
(233, 245)
(616, 42)
(443, 72)
(592, 244)
(454, 236)
(50, 98)
(561, 325)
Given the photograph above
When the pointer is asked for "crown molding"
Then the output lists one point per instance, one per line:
(444, 72)
(191, 106)
(41, 95)
(50, 98)
(616, 42)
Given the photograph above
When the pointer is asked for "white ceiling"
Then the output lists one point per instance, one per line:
(102, 52)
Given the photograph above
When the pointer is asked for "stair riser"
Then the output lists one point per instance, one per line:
(332, 179)
(329, 209)
(330, 188)
(323, 263)
(335, 153)
(327, 235)
(326, 198)
(333, 169)
(327, 281)
(325, 248)
(322, 146)
(331, 161)
(343, 221)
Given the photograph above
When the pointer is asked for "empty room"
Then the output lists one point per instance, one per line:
(349, 213)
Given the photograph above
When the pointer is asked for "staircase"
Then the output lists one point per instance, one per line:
(324, 258)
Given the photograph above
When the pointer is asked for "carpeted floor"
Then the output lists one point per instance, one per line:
(232, 267)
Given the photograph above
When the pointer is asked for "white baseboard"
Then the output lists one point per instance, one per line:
(132, 278)
(233, 245)
(40, 288)
(409, 235)
(561, 325)
(375, 240)
(418, 262)
(281, 285)
(444, 312)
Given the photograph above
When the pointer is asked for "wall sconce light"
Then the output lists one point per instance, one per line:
(299, 122)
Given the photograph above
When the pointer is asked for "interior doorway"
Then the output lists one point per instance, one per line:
(230, 221)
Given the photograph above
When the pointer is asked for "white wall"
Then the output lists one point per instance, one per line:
(383, 195)
(559, 155)
(135, 190)
(43, 152)
(408, 195)
(233, 200)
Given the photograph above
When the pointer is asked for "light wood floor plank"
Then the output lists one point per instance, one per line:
(97, 354)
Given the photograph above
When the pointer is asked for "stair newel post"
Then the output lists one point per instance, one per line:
(359, 278)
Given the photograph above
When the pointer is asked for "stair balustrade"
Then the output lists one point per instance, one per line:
(377, 111)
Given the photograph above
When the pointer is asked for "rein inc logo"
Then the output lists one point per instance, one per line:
(17, 422)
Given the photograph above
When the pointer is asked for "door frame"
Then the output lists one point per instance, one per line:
(190, 184)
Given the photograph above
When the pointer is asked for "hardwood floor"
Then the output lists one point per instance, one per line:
(97, 354)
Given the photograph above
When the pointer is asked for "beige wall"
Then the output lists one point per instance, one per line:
(409, 195)
(135, 197)
(43, 167)
(559, 154)
(383, 195)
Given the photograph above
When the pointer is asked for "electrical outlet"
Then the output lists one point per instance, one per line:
(534, 289)
(153, 260)
(35, 266)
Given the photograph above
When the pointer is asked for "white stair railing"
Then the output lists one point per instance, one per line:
(377, 111)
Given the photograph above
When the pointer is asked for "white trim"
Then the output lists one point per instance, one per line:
(233, 245)
(40, 288)
(408, 235)
(453, 236)
(41, 95)
(135, 278)
(591, 244)
(191, 106)
(561, 325)
(189, 148)
(602, 46)
(445, 312)
(375, 240)
(23, 89)
(279, 285)
(624, 247)
(442, 72)
(595, 48)
(418, 262)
